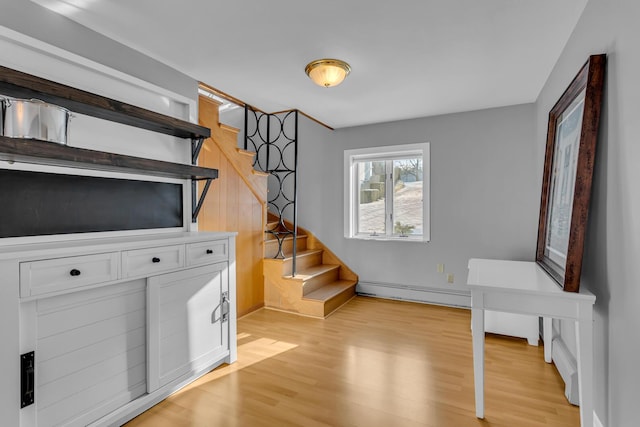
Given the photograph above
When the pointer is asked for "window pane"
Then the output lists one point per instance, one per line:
(371, 190)
(407, 196)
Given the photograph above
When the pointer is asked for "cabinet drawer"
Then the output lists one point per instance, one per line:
(145, 262)
(207, 252)
(58, 274)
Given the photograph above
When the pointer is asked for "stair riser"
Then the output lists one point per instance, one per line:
(324, 308)
(339, 300)
(272, 226)
(320, 280)
(271, 246)
(281, 296)
(302, 262)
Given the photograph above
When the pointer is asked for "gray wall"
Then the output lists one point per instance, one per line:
(484, 193)
(611, 268)
(40, 23)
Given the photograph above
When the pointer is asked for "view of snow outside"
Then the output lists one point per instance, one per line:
(407, 197)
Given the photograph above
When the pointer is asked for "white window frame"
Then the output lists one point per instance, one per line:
(352, 193)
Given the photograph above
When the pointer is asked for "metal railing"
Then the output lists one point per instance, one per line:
(274, 139)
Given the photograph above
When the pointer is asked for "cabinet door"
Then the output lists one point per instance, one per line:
(90, 353)
(186, 329)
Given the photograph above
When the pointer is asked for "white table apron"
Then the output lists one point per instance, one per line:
(525, 288)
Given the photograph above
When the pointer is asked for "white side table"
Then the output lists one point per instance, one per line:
(525, 288)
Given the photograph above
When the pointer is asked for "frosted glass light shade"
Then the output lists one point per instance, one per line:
(328, 72)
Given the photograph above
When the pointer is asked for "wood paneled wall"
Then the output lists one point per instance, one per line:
(234, 204)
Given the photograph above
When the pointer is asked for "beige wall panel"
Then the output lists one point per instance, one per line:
(232, 205)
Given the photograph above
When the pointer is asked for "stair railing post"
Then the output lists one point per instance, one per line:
(268, 169)
(295, 195)
(246, 126)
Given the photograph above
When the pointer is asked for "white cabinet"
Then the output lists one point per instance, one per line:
(112, 330)
(187, 314)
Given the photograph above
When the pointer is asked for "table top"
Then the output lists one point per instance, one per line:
(522, 277)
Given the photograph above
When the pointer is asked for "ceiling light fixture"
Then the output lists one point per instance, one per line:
(327, 72)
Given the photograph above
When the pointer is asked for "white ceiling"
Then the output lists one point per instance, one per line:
(409, 58)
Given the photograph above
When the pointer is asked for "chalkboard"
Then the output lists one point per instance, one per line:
(37, 203)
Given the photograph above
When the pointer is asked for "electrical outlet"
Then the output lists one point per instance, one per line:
(440, 268)
(450, 278)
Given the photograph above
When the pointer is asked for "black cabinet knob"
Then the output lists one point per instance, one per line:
(209, 251)
(74, 272)
(155, 259)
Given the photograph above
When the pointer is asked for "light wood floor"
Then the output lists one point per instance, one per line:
(373, 363)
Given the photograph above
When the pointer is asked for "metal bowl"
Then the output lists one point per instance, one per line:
(33, 118)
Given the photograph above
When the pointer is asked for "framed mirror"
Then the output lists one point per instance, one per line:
(568, 171)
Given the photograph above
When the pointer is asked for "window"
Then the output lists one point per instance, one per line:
(387, 193)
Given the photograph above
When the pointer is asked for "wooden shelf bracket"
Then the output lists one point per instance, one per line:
(196, 146)
(197, 206)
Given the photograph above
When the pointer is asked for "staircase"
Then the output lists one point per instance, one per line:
(321, 284)
(238, 201)
(302, 275)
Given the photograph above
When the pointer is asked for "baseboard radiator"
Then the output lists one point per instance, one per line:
(438, 296)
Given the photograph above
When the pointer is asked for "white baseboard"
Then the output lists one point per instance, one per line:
(568, 368)
(438, 296)
(596, 420)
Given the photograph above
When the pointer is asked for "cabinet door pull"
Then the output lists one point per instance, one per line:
(27, 377)
(155, 259)
(74, 272)
(225, 306)
(209, 251)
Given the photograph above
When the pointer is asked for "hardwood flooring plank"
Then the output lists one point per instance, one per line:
(373, 363)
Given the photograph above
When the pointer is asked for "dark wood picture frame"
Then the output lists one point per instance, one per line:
(568, 173)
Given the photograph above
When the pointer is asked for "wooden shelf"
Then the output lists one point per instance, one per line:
(48, 153)
(21, 85)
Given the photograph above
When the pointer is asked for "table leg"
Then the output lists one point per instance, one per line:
(547, 333)
(584, 341)
(477, 325)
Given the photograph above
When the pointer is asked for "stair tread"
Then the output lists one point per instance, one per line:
(229, 128)
(310, 272)
(306, 252)
(280, 232)
(246, 152)
(288, 235)
(330, 290)
(284, 236)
